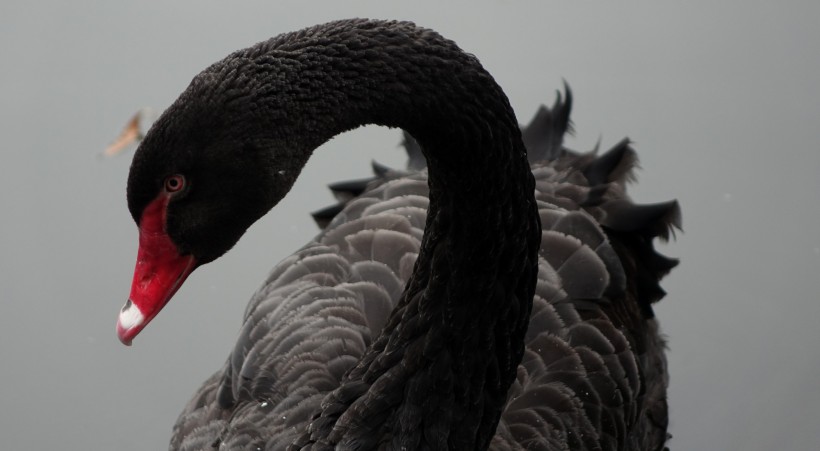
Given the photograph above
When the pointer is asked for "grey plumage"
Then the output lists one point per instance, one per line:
(593, 374)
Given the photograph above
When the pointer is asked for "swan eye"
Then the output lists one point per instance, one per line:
(174, 183)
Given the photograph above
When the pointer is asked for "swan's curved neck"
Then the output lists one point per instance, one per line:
(450, 350)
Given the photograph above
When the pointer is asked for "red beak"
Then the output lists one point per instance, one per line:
(159, 273)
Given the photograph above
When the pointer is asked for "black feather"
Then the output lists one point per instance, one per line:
(402, 327)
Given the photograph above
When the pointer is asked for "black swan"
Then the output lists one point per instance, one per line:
(505, 306)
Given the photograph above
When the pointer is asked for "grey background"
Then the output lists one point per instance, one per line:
(721, 99)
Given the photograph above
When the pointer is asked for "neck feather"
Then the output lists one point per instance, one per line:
(450, 350)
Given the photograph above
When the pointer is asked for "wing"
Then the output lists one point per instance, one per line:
(593, 374)
(310, 322)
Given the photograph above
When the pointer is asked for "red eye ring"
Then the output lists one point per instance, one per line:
(174, 183)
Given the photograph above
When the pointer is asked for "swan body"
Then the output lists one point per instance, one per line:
(498, 298)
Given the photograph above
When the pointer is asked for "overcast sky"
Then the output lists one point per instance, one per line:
(722, 101)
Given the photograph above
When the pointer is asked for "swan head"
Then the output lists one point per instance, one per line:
(199, 179)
